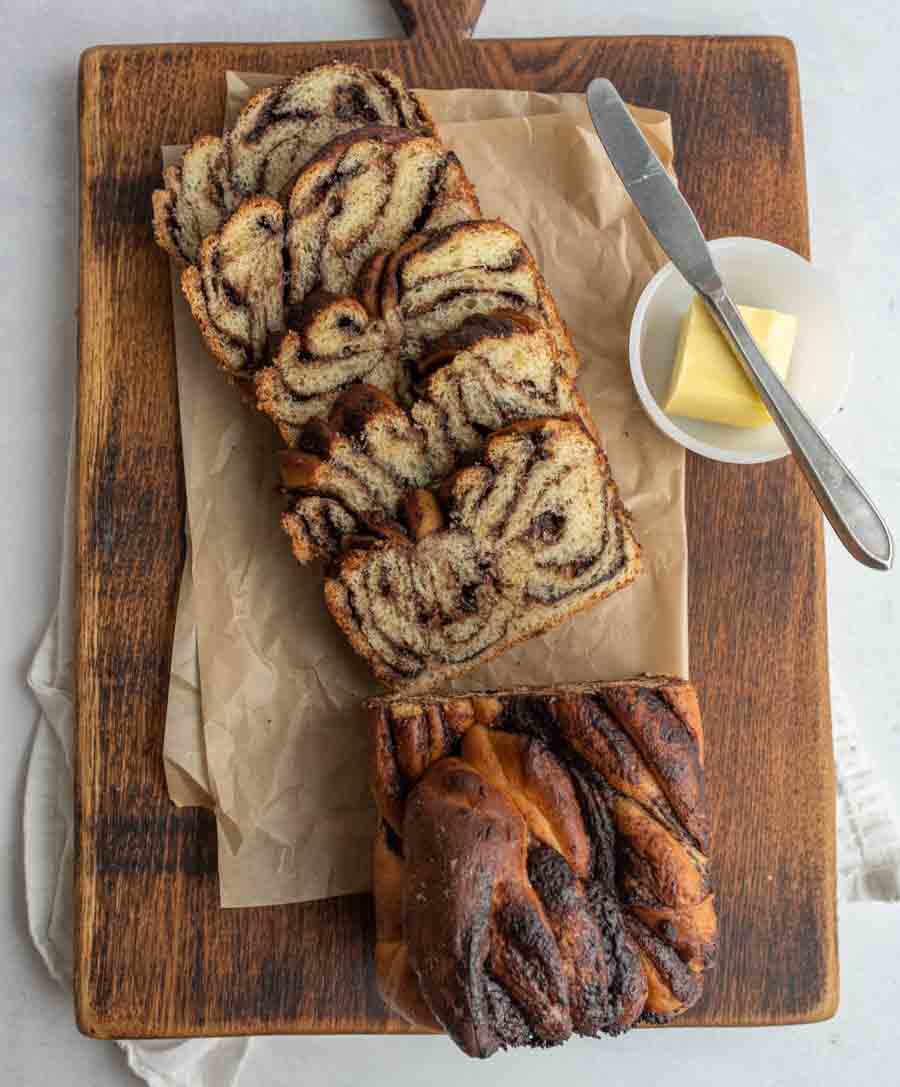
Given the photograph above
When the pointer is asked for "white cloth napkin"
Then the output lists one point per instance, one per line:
(868, 836)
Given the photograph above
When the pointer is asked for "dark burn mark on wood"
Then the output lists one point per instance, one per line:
(769, 93)
(132, 844)
(121, 208)
(129, 517)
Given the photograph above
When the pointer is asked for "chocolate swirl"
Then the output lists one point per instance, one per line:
(574, 907)
(235, 291)
(530, 534)
(437, 279)
(282, 127)
(334, 345)
(366, 192)
(363, 191)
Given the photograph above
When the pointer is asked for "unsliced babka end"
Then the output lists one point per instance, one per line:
(603, 790)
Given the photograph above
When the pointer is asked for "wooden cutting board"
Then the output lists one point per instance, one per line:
(154, 954)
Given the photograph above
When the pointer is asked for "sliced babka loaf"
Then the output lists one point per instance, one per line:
(334, 344)
(236, 290)
(543, 862)
(490, 372)
(437, 279)
(368, 191)
(521, 540)
(277, 132)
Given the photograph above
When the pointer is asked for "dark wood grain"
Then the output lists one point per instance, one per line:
(155, 956)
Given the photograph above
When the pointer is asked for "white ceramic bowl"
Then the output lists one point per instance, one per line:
(756, 273)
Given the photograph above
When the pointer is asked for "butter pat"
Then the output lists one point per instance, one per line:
(707, 380)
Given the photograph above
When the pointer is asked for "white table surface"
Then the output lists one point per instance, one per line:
(849, 81)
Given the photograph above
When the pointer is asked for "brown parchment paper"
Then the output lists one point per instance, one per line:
(264, 722)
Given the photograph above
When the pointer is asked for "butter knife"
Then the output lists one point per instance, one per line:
(853, 516)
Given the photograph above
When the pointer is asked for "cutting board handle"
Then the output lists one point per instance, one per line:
(440, 20)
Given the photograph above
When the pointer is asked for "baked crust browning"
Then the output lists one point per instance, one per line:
(466, 891)
(622, 887)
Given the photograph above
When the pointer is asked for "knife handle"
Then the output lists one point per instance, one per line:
(852, 514)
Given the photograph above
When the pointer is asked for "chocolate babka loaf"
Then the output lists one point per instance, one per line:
(542, 867)
(510, 547)
(276, 134)
(437, 279)
(492, 371)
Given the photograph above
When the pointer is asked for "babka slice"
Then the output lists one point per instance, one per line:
(195, 200)
(365, 458)
(276, 133)
(368, 191)
(490, 372)
(523, 539)
(542, 867)
(437, 279)
(334, 344)
(493, 370)
(282, 127)
(236, 290)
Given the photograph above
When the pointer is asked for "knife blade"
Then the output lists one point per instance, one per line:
(662, 207)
